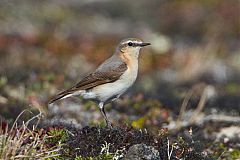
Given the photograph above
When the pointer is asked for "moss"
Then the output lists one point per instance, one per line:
(139, 123)
(103, 143)
(56, 135)
(232, 88)
(49, 77)
(222, 151)
(88, 105)
(36, 86)
(3, 81)
(235, 154)
(99, 157)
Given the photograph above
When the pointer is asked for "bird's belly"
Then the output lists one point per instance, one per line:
(109, 90)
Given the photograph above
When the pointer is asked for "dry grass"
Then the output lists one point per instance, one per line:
(20, 142)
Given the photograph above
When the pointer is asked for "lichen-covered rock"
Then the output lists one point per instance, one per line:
(142, 151)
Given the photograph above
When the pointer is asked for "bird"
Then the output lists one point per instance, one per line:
(111, 79)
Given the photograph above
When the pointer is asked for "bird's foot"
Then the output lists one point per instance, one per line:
(109, 125)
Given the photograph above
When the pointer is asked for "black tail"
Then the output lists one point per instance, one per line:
(59, 96)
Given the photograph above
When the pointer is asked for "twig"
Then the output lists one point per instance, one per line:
(169, 152)
(200, 106)
(221, 118)
(183, 108)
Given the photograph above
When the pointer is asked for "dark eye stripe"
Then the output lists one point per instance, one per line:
(131, 44)
(135, 44)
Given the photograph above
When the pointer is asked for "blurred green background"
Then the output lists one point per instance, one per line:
(47, 46)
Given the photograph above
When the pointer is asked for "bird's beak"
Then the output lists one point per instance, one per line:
(144, 44)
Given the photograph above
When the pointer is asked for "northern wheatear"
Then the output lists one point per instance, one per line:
(111, 79)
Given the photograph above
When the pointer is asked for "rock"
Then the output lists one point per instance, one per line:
(142, 151)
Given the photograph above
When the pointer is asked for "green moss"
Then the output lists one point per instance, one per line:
(56, 135)
(50, 77)
(100, 123)
(37, 86)
(221, 151)
(88, 105)
(100, 157)
(235, 154)
(139, 123)
(137, 105)
(3, 81)
(232, 88)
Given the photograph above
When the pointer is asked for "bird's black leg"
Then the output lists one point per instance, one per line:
(101, 106)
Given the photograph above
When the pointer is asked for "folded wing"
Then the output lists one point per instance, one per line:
(99, 77)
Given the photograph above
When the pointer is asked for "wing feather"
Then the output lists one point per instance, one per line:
(103, 76)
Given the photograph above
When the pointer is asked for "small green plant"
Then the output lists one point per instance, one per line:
(3, 81)
(56, 135)
(235, 154)
(99, 157)
(105, 154)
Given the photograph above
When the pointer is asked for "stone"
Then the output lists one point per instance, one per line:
(142, 152)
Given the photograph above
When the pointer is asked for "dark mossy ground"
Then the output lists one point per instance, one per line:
(89, 142)
(96, 142)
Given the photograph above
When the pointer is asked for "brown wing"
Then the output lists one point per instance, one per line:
(94, 79)
(100, 77)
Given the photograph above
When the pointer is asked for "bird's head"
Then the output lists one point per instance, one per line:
(131, 46)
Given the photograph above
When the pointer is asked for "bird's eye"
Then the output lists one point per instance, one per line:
(130, 43)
